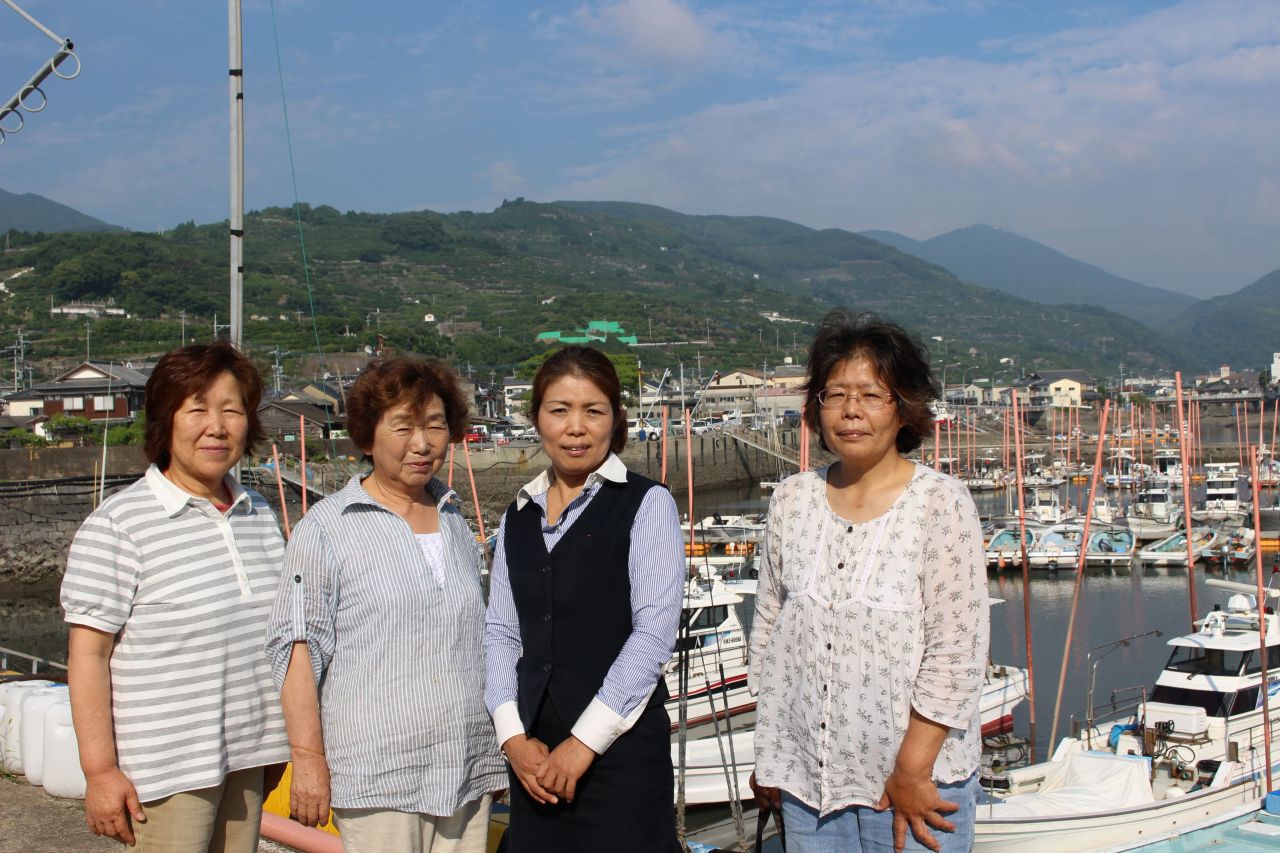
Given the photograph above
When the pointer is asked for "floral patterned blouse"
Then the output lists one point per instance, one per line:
(856, 624)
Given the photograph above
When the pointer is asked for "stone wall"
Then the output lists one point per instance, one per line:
(36, 531)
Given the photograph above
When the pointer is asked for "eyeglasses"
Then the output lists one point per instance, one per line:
(870, 401)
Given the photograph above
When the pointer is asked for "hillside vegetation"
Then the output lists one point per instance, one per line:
(527, 268)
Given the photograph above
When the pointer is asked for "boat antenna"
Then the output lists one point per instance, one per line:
(30, 97)
(1081, 561)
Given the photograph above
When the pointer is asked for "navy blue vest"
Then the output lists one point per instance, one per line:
(574, 603)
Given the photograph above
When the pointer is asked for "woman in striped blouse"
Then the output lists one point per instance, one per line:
(584, 606)
(376, 636)
(168, 583)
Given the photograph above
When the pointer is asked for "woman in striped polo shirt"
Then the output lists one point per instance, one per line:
(167, 587)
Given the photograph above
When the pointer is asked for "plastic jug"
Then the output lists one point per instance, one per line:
(11, 720)
(62, 774)
(33, 705)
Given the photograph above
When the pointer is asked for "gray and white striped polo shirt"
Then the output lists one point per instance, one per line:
(187, 590)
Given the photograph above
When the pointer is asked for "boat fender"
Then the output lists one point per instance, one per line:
(1174, 793)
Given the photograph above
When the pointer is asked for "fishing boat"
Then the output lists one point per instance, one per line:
(1172, 550)
(1187, 751)
(1057, 547)
(1005, 546)
(1044, 505)
(1110, 545)
(1153, 514)
(713, 647)
(717, 529)
(1222, 504)
(1167, 468)
(1104, 509)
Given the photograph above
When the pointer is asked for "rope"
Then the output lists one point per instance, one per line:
(297, 211)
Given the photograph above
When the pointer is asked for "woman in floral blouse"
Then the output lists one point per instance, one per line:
(869, 645)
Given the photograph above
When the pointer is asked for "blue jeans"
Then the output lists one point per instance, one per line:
(862, 828)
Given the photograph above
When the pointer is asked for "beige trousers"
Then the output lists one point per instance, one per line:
(387, 831)
(222, 819)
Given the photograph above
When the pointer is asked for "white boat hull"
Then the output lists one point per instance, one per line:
(1077, 833)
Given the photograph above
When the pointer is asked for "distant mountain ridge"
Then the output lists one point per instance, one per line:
(1241, 329)
(1025, 268)
(31, 212)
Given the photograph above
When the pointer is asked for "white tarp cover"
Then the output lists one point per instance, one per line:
(1084, 783)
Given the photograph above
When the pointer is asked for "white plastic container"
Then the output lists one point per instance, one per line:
(62, 774)
(34, 704)
(11, 721)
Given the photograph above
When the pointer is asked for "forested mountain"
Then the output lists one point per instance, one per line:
(35, 213)
(1001, 259)
(1241, 329)
(491, 282)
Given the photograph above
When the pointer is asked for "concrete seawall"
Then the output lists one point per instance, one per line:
(36, 529)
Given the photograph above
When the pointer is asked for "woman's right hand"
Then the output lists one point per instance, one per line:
(768, 799)
(109, 801)
(526, 755)
(309, 789)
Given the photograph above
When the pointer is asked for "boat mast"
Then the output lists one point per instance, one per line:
(236, 86)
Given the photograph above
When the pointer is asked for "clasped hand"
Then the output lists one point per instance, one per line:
(548, 775)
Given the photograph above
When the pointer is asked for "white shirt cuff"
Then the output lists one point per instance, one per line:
(599, 726)
(506, 722)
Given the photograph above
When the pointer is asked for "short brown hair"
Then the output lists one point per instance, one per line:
(595, 367)
(185, 372)
(901, 364)
(386, 383)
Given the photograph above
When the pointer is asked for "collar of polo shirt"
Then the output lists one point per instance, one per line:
(173, 499)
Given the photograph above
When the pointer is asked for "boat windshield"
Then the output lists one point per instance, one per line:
(1199, 661)
(708, 618)
(1214, 704)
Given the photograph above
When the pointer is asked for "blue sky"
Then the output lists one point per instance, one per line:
(1139, 136)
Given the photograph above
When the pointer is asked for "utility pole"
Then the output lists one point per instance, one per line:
(277, 371)
(184, 327)
(218, 327)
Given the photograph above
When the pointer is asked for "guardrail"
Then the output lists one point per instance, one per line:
(34, 661)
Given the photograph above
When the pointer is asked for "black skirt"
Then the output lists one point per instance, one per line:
(623, 803)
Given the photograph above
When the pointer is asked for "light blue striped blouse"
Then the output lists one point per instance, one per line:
(656, 567)
(397, 651)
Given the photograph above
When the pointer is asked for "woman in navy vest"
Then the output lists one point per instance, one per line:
(584, 606)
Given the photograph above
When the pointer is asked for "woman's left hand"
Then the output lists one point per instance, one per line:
(916, 805)
(562, 769)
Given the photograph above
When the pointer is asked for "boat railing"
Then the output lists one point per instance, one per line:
(1123, 704)
(34, 661)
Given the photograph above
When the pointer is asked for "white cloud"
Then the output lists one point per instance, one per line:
(1095, 140)
(505, 178)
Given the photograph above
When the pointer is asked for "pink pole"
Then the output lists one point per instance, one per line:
(1262, 611)
(284, 507)
(302, 453)
(1186, 498)
(937, 445)
(688, 445)
(297, 836)
(450, 479)
(1080, 563)
(475, 496)
(1026, 576)
(664, 444)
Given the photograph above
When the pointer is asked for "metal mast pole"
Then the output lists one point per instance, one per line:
(236, 78)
